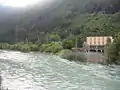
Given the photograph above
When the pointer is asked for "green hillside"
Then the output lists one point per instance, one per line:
(66, 18)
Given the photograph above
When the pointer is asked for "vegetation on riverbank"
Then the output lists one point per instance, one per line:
(62, 49)
(20, 47)
(61, 26)
(52, 47)
(113, 51)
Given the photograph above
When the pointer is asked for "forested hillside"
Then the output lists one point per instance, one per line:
(59, 20)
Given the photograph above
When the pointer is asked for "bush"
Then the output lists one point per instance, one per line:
(53, 47)
(20, 46)
(4, 46)
(113, 51)
(25, 48)
(34, 47)
(68, 44)
(54, 37)
(43, 47)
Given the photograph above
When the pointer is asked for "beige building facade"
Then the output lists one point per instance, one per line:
(98, 41)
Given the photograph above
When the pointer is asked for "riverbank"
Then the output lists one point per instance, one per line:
(56, 49)
(20, 47)
(53, 47)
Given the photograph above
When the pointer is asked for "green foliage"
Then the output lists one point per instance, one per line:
(70, 21)
(52, 47)
(79, 17)
(34, 47)
(25, 48)
(4, 46)
(20, 46)
(81, 26)
(113, 51)
(80, 40)
(54, 38)
(68, 44)
(43, 47)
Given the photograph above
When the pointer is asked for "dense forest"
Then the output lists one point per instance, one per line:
(60, 20)
(59, 24)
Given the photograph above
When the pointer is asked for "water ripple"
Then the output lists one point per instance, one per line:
(36, 71)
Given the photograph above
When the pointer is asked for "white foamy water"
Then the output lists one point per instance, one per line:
(36, 71)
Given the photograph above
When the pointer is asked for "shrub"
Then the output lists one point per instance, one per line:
(4, 46)
(34, 47)
(53, 47)
(113, 51)
(25, 48)
(68, 44)
(43, 47)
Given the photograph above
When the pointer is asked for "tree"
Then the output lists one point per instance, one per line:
(113, 50)
(68, 44)
(52, 47)
(54, 38)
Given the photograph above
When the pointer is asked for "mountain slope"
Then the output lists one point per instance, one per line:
(63, 16)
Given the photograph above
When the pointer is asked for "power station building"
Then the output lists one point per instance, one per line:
(97, 42)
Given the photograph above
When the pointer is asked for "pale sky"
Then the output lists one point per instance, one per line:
(19, 3)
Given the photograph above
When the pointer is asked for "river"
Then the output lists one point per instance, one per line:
(36, 71)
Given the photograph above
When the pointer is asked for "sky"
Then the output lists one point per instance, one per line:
(19, 3)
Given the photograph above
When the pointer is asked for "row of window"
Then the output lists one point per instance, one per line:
(96, 40)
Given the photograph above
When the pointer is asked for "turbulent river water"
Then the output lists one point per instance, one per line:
(36, 71)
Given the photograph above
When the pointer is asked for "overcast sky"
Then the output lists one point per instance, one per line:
(20, 3)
